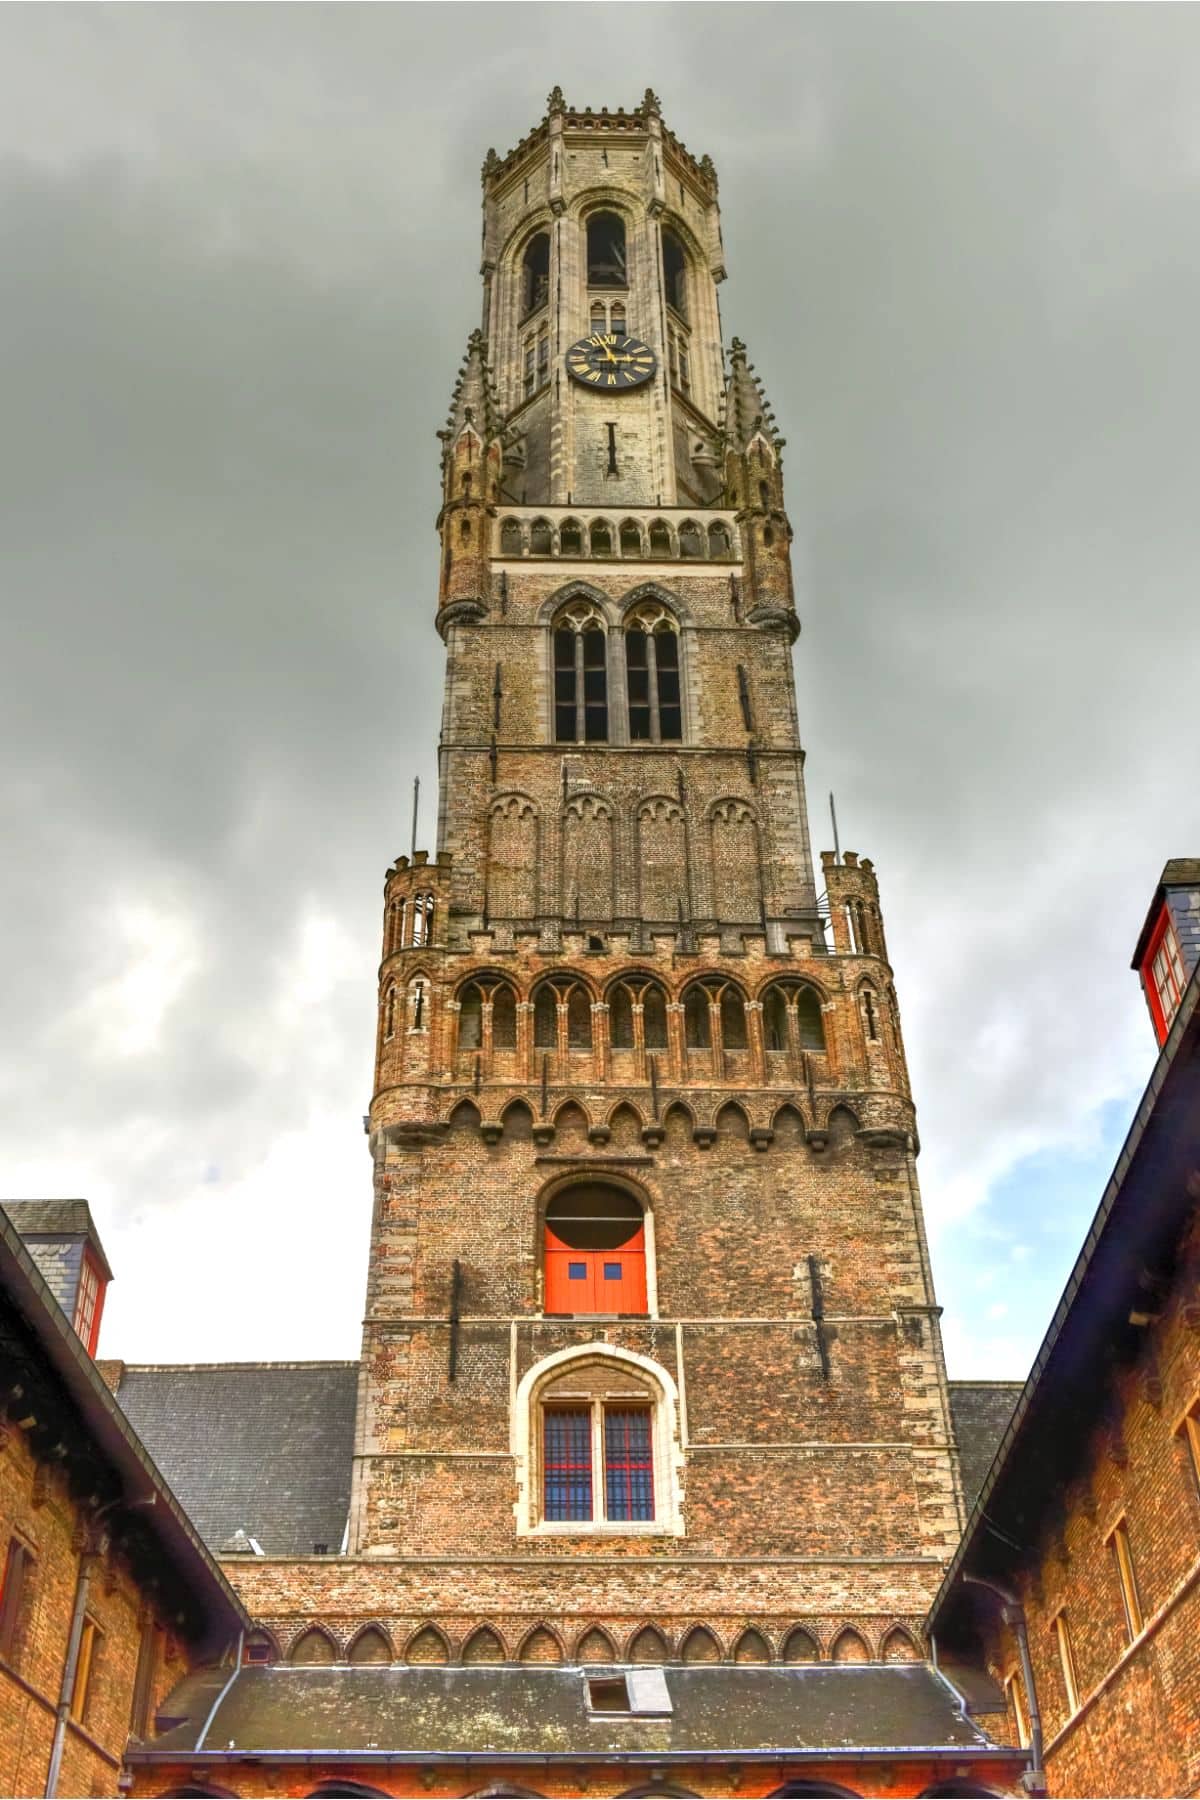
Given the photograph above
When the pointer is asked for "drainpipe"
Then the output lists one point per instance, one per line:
(92, 1550)
(1013, 1613)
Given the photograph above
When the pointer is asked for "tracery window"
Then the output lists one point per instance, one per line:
(562, 1016)
(714, 1016)
(631, 538)
(652, 675)
(623, 1017)
(792, 1018)
(510, 538)
(718, 540)
(541, 538)
(691, 539)
(660, 538)
(580, 675)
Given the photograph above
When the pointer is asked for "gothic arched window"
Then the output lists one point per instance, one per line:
(606, 251)
(631, 538)
(562, 1016)
(792, 1018)
(660, 538)
(691, 539)
(545, 1019)
(580, 675)
(675, 273)
(541, 538)
(702, 1000)
(470, 1018)
(623, 1019)
(718, 540)
(504, 1018)
(510, 538)
(535, 274)
(652, 675)
(601, 538)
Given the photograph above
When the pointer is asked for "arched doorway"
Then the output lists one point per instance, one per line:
(595, 1251)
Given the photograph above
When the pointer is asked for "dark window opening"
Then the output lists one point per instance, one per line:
(733, 1020)
(541, 538)
(631, 539)
(504, 1019)
(595, 687)
(570, 538)
(535, 273)
(691, 539)
(510, 538)
(545, 1019)
(675, 273)
(620, 1020)
(670, 711)
(718, 540)
(606, 251)
(579, 1020)
(600, 534)
(869, 1014)
(697, 1019)
(660, 539)
(775, 1029)
(637, 673)
(654, 1019)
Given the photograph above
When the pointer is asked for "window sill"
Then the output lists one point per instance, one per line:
(601, 1528)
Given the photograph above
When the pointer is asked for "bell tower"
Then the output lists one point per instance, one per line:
(652, 1367)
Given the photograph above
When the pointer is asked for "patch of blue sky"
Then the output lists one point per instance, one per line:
(1001, 1270)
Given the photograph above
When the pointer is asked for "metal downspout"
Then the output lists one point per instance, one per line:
(62, 1711)
(1013, 1613)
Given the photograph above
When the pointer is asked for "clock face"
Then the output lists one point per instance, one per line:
(609, 360)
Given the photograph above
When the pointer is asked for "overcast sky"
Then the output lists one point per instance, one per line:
(237, 272)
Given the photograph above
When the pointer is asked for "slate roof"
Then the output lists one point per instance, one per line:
(263, 1448)
(980, 1411)
(57, 1219)
(377, 1712)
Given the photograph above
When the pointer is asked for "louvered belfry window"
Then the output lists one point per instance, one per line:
(628, 1464)
(567, 1462)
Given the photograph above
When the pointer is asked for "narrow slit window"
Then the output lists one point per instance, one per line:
(637, 674)
(1127, 1578)
(1066, 1659)
(545, 1019)
(595, 687)
(670, 710)
(18, 1572)
(504, 1019)
(620, 1019)
(697, 1019)
(564, 686)
(654, 1019)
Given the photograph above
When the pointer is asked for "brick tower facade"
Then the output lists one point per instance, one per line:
(651, 1366)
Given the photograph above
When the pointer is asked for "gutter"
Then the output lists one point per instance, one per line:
(1013, 1613)
(958, 1753)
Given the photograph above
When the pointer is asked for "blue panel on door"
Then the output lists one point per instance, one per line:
(612, 1271)
(576, 1271)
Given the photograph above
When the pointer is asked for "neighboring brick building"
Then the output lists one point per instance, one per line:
(1088, 1524)
(107, 1595)
(652, 1407)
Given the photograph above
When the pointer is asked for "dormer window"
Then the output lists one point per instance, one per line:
(1164, 974)
(89, 1304)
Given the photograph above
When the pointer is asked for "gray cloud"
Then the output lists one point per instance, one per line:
(237, 272)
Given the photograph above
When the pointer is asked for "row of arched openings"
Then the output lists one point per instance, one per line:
(714, 1014)
(661, 540)
(648, 1645)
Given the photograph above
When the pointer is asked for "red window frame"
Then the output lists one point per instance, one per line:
(89, 1303)
(1163, 1005)
(567, 1494)
(628, 1463)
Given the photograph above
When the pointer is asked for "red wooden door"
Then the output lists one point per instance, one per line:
(596, 1281)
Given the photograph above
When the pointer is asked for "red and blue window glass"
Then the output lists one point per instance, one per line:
(567, 1464)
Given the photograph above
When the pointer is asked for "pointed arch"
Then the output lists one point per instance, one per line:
(737, 887)
(787, 1122)
(595, 1646)
(700, 1645)
(843, 1125)
(517, 1120)
(371, 1645)
(428, 1644)
(313, 1646)
(733, 1121)
(464, 1117)
(514, 834)
(541, 1645)
(898, 1646)
(849, 1646)
(648, 1646)
(752, 1647)
(662, 860)
(588, 859)
(626, 1122)
(800, 1646)
(571, 1120)
(484, 1646)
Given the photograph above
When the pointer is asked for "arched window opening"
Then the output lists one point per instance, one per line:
(675, 273)
(654, 1018)
(616, 318)
(535, 274)
(470, 1019)
(389, 1012)
(733, 1020)
(416, 1007)
(579, 1020)
(595, 1251)
(620, 1019)
(691, 539)
(809, 1021)
(775, 1030)
(652, 676)
(697, 1019)
(598, 1463)
(580, 677)
(570, 538)
(718, 540)
(768, 536)
(870, 1021)
(422, 919)
(764, 495)
(541, 538)
(601, 536)
(660, 538)
(504, 1019)
(598, 318)
(464, 530)
(631, 538)
(510, 538)
(545, 1019)
(606, 251)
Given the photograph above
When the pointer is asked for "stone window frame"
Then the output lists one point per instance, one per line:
(614, 617)
(1060, 1625)
(1014, 1695)
(667, 1452)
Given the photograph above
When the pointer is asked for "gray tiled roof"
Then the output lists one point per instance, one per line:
(540, 1711)
(980, 1411)
(263, 1448)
